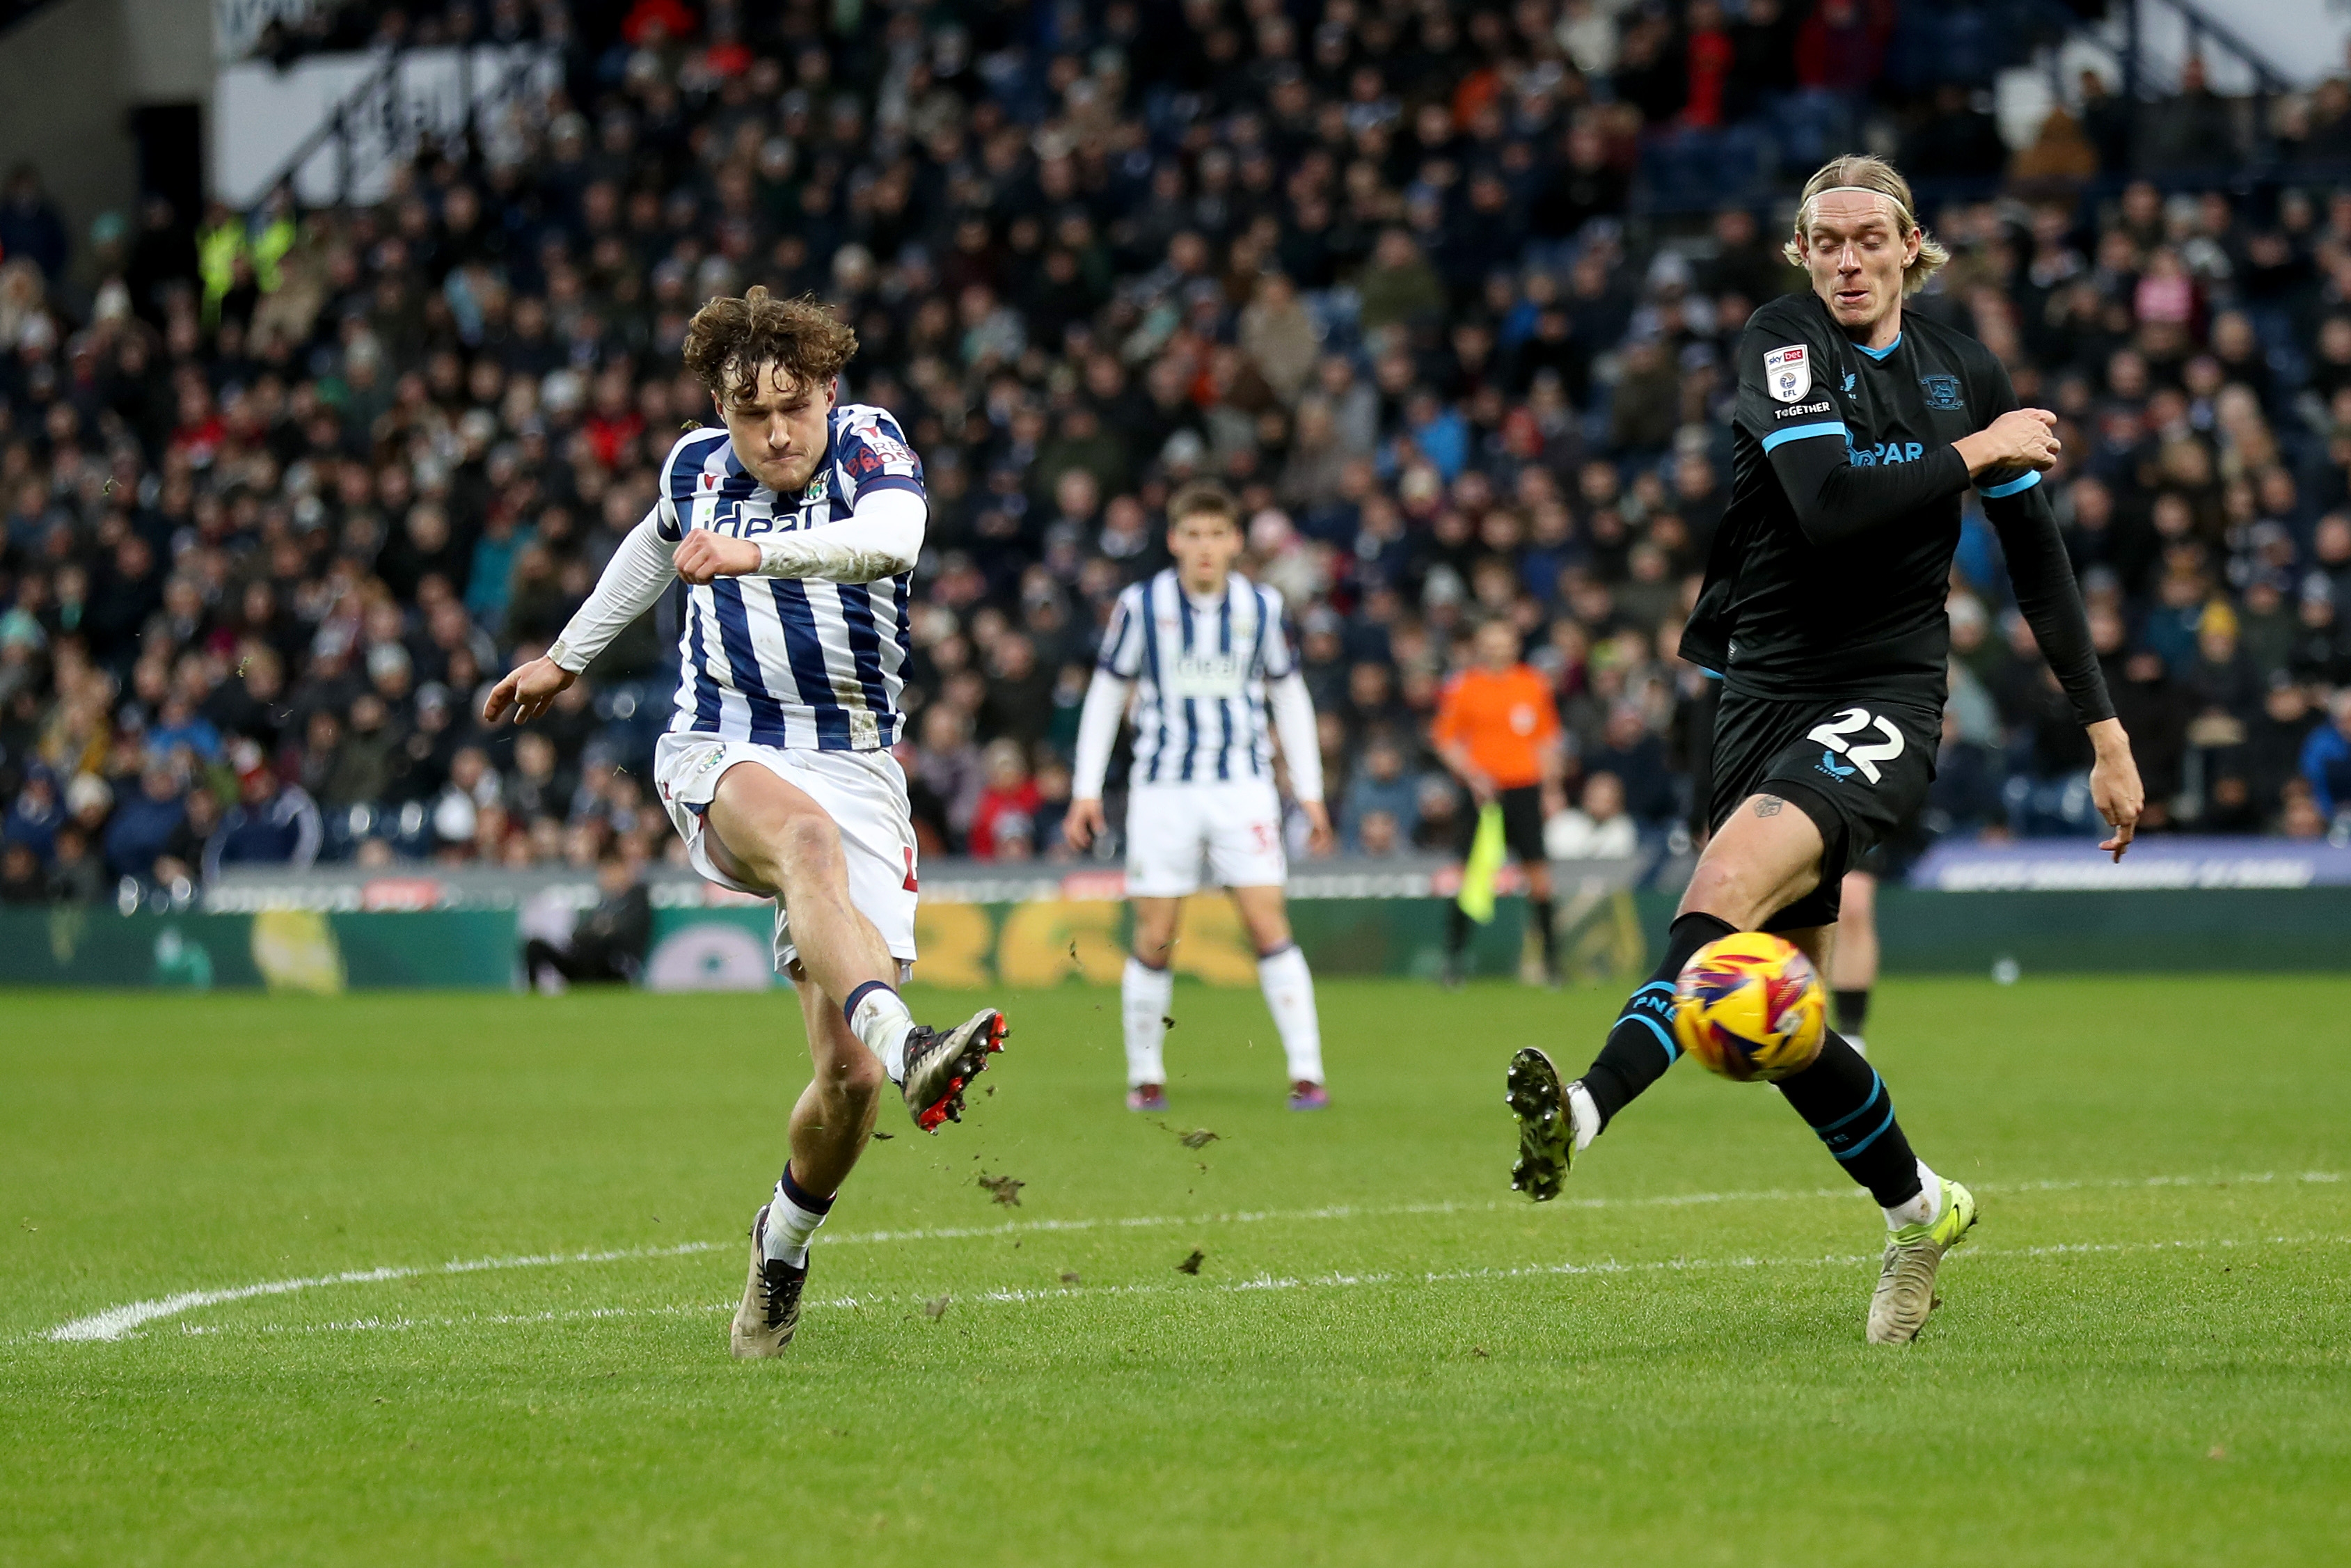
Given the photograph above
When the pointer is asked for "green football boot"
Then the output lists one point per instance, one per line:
(1906, 1282)
(1537, 1096)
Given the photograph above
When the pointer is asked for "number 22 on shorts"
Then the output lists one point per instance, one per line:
(1853, 721)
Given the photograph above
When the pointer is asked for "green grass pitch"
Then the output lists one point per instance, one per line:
(2144, 1357)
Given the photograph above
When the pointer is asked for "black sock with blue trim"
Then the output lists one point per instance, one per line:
(1841, 1097)
(1641, 1045)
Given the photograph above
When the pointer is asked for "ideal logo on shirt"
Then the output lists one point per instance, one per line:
(1206, 675)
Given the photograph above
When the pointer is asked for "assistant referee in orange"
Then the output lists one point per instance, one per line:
(1497, 730)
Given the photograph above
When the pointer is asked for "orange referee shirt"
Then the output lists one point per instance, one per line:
(1503, 720)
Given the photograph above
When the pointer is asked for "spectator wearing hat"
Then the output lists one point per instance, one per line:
(272, 823)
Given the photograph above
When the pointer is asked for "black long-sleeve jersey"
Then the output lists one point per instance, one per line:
(1829, 572)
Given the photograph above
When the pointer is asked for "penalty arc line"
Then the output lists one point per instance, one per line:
(117, 1322)
(1016, 1297)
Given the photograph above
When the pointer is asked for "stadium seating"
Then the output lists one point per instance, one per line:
(1447, 296)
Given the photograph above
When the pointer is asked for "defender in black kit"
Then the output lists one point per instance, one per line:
(1858, 431)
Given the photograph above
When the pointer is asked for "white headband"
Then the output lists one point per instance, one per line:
(1899, 208)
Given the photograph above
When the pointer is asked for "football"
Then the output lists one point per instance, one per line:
(1750, 1008)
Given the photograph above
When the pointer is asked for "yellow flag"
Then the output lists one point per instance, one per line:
(1485, 853)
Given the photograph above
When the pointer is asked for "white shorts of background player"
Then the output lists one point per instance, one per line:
(1233, 826)
(864, 793)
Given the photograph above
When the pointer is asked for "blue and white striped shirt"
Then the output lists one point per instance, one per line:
(1200, 669)
(791, 662)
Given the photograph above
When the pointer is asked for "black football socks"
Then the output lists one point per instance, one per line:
(1641, 1045)
(1851, 1010)
(1842, 1098)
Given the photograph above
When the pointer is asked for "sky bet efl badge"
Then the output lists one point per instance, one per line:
(1789, 373)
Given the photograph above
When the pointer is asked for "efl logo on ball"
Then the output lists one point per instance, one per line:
(1750, 1008)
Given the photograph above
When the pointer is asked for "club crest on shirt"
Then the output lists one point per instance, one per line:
(1787, 372)
(1942, 390)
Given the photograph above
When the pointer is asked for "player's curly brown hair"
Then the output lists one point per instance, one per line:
(730, 343)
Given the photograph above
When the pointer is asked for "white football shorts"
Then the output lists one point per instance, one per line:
(1235, 825)
(864, 793)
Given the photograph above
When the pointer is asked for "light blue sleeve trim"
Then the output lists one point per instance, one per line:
(1798, 432)
(2014, 486)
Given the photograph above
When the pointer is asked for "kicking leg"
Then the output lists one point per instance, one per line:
(1852, 968)
(1289, 989)
(1146, 991)
(1764, 858)
(768, 833)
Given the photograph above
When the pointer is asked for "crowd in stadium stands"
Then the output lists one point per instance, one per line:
(280, 490)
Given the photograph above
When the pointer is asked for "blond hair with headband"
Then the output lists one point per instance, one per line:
(1876, 177)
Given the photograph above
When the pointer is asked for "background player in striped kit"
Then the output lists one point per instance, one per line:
(1201, 649)
(796, 528)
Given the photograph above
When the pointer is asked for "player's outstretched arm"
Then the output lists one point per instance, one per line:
(527, 691)
(2051, 603)
(633, 579)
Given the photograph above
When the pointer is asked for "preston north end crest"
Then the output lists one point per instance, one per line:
(1787, 372)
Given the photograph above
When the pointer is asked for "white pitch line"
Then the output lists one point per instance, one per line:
(115, 1322)
(1012, 1296)
(1660, 1200)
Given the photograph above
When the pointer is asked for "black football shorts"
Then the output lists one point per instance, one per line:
(1857, 766)
(1522, 824)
